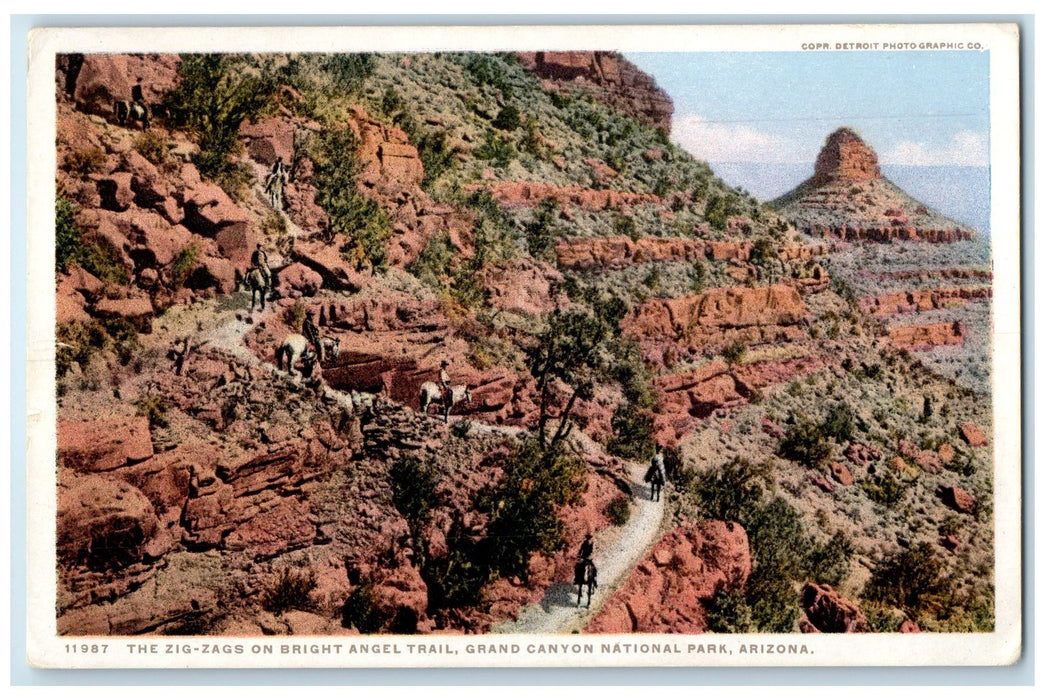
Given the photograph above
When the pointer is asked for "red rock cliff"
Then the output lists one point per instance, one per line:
(610, 77)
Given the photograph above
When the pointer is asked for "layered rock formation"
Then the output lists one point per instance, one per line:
(925, 336)
(609, 77)
(715, 319)
(919, 300)
(849, 198)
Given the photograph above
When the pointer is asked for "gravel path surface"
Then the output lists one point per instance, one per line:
(617, 551)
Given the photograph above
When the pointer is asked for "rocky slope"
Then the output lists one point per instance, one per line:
(478, 209)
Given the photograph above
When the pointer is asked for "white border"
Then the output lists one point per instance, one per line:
(46, 649)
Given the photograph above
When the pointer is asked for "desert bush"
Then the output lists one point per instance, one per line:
(734, 353)
(67, 234)
(350, 212)
(884, 489)
(804, 443)
(728, 612)
(762, 251)
(838, 423)
(215, 94)
(183, 264)
(508, 119)
(433, 263)
(698, 277)
(361, 612)
(349, 70)
(911, 580)
(414, 485)
(496, 148)
(291, 590)
(274, 224)
(618, 510)
(829, 563)
(542, 231)
(490, 69)
(951, 526)
(155, 408)
(632, 431)
(85, 161)
(524, 506)
(730, 492)
(154, 148)
(624, 225)
(437, 155)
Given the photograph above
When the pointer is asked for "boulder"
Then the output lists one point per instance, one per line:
(137, 310)
(103, 523)
(115, 191)
(269, 139)
(300, 279)
(208, 210)
(946, 453)
(827, 611)
(103, 444)
(959, 499)
(972, 435)
(841, 474)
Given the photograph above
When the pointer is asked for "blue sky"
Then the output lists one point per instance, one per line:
(911, 107)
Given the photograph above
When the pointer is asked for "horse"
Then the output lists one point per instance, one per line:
(257, 283)
(655, 479)
(131, 111)
(294, 348)
(433, 393)
(331, 347)
(585, 574)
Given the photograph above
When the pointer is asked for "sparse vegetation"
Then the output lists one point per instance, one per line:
(290, 591)
(618, 510)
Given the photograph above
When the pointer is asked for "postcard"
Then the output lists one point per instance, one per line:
(524, 346)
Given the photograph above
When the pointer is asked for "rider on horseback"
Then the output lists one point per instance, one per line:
(311, 333)
(444, 384)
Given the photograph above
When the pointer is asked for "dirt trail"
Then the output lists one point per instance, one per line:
(617, 551)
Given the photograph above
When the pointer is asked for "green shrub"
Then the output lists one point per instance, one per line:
(350, 212)
(730, 492)
(361, 612)
(496, 148)
(542, 231)
(525, 506)
(274, 224)
(290, 591)
(154, 147)
(911, 580)
(804, 443)
(414, 485)
(762, 251)
(433, 263)
(508, 119)
(436, 155)
(625, 226)
(838, 424)
(734, 353)
(215, 94)
(490, 69)
(67, 234)
(84, 162)
(884, 489)
(728, 612)
(632, 431)
(618, 510)
(154, 407)
(829, 563)
(184, 264)
(350, 70)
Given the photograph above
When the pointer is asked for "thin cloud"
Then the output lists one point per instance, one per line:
(966, 148)
(733, 142)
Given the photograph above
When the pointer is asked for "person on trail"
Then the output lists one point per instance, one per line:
(657, 463)
(274, 184)
(444, 384)
(587, 548)
(311, 333)
(260, 259)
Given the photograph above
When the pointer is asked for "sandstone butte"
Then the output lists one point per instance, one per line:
(848, 198)
(667, 590)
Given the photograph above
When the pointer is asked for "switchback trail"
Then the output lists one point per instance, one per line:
(617, 551)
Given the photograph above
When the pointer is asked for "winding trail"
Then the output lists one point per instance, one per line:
(617, 551)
